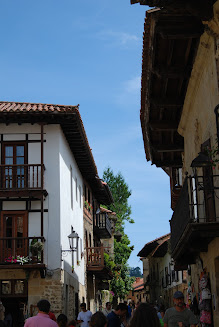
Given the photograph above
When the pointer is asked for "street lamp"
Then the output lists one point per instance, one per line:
(201, 161)
(71, 238)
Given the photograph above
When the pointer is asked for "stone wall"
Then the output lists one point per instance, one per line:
(59, 288)
(197, 125)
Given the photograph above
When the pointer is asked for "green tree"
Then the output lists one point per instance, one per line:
(135, 272)
(121, 283)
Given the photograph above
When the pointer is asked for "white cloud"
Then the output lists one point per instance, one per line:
(133, 85)
(114, 38)
(129, 93)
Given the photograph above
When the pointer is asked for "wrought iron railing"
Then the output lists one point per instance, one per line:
(29, 249)
(102, 222)
(20, 177)
(198, 203)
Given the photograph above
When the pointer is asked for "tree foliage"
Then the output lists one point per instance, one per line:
(135, 272)
(121, 193)
(121, 283)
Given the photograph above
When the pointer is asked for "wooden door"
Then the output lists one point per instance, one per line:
(14, 154)
(14, 230)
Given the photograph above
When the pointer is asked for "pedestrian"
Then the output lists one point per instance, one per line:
(114, 317)
(108, 309)
(8, 318)
(42, 318)
(72, 323)
(62, 320)
(145, 315)
(84, 316)
(98, 320)
(2, 311)
(129, 312)
(52, 316)
(179, 315)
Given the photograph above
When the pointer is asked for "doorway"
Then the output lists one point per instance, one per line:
(15, 310)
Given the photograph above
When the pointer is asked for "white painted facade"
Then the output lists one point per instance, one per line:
(64, 213)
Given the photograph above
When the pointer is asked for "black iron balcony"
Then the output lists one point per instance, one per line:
(102, 225)
(195, 221)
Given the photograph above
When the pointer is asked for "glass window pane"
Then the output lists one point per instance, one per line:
(19, 150)
(9, 151)
(19, 287)
(20, 160)
(9, 161)
(19, 226)
(6, 287)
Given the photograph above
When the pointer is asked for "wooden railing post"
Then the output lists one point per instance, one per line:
(102, 255)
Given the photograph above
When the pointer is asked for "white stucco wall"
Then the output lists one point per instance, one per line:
(60, 217)
(70, 215)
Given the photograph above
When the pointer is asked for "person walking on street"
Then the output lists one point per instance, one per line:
(108, 309)
(2, 311)
(84, 316)
(145, 315)
(114, 317)
(62, 320)
(42, 318)
(179, 315)
(98, 320)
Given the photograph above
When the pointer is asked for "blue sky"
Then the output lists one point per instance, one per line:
(89, 53)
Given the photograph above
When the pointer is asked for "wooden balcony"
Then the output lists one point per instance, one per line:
(102, 225)
(14, 250)
(22, 180)
(96, 264)
(195, 221)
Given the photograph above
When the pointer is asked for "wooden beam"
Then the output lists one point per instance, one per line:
(171, 72)
(161, 125)
(166, 102)
(175, 33)
(168, 148)
(177, 163)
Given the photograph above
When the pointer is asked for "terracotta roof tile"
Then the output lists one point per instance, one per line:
(35, 107)
(138, 283)
(72, 125)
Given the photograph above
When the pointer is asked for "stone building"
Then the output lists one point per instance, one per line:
(137, 294)
(45, 161)
(99, 243)
(161, 280)
(179, 96)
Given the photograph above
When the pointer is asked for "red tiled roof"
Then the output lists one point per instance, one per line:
(161, 249)
(139, 288)
(151, 246)
(71, 123)
(106, 210)
(138, 282)
(24, 107)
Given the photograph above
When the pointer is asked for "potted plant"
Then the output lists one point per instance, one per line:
(36, 248)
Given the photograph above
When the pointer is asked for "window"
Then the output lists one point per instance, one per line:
(13, 287)
(76, 188)
(71, 186)
(14, 228)
(14, 176)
